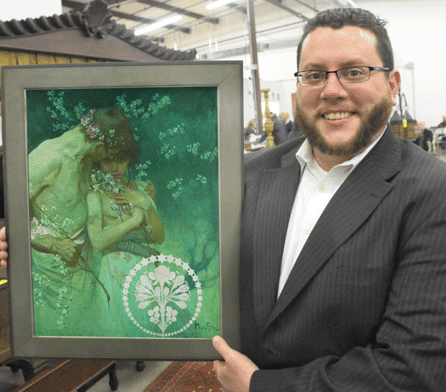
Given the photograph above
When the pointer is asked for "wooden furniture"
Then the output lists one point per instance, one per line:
(72, 375)
(30, 367)
(75, 375)
(79, 37)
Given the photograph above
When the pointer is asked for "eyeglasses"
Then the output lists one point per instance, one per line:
(346, 75)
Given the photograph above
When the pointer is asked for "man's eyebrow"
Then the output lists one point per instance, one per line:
(322, 67)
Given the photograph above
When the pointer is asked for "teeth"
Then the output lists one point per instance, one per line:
(336, 116)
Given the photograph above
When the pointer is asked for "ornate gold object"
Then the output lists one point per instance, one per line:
(269, 125)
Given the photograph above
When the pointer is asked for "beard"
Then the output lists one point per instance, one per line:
(368, 128)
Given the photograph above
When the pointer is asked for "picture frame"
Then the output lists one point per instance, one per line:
(186, 118)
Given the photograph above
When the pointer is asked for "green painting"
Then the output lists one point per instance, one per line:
(124, 207)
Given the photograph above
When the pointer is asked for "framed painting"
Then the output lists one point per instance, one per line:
(123, 200)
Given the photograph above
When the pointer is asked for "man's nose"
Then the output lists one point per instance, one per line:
(333, 87)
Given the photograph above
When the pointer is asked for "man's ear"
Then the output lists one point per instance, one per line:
(394, 84)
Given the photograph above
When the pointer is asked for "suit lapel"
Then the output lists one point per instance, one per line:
(275, 201)
(352, 204)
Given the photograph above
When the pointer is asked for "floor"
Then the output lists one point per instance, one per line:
(130, 380)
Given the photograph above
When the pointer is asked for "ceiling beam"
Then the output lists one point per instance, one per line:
(306, 5)
(74, 5)
(239, 51)
(237, 7)
(178, 10)
(77, 6)
(288, 9)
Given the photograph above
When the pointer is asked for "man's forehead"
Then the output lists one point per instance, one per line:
(368, 36)
(352, 32)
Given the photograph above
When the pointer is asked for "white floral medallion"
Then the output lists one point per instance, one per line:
(158, 296)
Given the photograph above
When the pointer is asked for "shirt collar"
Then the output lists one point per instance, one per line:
(305, 155)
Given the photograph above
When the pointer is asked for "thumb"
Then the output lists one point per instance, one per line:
(222, 347)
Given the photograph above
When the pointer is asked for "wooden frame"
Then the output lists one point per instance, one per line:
(23, 90)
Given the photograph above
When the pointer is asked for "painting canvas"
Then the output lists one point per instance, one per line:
(125, 215)
(159, 159)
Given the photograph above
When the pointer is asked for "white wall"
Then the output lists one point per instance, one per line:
(22, 9)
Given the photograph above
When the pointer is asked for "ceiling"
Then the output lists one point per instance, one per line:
(222, 32)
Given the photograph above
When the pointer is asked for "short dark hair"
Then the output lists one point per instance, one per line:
(337, 18)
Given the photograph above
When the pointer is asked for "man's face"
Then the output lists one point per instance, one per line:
(421, 125)
(344, 118)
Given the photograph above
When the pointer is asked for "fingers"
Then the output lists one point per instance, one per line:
(219, 369)
(3, 245)
(218, 366)
(222, 347)
(219, 344)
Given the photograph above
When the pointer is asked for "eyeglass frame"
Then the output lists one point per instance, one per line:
(296, 74)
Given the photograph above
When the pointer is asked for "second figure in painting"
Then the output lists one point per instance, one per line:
(122, 218)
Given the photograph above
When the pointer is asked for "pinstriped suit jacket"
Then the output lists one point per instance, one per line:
(364, 308)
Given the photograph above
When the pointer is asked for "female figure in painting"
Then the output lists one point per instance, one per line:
(122, 224)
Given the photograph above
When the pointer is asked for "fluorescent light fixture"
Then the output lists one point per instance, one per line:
(346, 3)
(218, 3)
(158, 25)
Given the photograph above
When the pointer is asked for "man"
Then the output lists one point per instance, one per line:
(440, 133)
(343, 257)
(426, 136)
(249, 130)
(443, 123)
(288, 122)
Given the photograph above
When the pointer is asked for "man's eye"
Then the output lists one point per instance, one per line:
(354, 73)
(314, 75)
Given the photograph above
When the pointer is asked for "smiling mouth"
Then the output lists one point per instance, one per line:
(337, 116)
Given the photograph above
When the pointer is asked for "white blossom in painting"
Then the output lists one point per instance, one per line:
(165, 289)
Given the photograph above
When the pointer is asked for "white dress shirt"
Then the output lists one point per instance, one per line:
(315, 191)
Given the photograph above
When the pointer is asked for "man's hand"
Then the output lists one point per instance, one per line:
(3, 247)
(235, 373)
